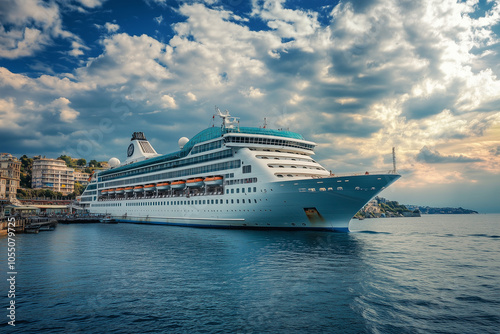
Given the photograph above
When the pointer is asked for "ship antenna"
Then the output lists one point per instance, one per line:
(265, 122)
(394, 160)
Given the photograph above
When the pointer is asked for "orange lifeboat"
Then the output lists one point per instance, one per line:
(138, 189)
(196, 182)
(178, 184)
(149, 187)
(163, 186)
(129, 189)
(111, 191)
(214, 180)
(119, 190)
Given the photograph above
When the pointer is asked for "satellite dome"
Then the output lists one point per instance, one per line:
(182, 141)
(113, 162)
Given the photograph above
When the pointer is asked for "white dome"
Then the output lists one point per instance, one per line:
(113, 162)
(182, 141)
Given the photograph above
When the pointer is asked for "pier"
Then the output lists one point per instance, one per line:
(27, 225)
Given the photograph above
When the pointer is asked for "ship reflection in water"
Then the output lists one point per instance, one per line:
(392, 276)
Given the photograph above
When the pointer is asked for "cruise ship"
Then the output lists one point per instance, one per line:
(229, 176)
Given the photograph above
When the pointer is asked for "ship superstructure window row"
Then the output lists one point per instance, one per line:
(269, 141)
(179, 173)
(207, 147)
(170, 165)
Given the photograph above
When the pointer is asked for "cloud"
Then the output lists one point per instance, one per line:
(168, 102)
(111, 27)
(30, 26)
(434, 157)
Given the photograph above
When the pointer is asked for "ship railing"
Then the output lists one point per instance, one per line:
(393, 172)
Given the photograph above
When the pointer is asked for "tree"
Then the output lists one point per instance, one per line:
(67, 159)
(93, 163)
(81, 162)
(26, 168)
(79, 188)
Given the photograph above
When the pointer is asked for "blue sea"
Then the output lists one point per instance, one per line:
(434, 274)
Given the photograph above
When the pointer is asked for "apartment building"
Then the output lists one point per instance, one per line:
(81, 177)
(10, 175)
(52, 174)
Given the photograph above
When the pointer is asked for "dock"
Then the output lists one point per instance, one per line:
(27, 224)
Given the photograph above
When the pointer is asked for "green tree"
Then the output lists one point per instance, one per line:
(67, 159)
(26, 171)
(79, 188)
(81, 162)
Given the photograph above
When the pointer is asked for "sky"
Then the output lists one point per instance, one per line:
(358, 77)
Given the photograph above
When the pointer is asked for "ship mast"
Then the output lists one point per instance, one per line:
(394, 160)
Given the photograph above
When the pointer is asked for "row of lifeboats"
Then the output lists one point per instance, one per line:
(196, 182)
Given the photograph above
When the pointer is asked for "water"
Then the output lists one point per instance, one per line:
(435, 274)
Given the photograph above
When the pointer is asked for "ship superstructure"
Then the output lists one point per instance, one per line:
(231, 177)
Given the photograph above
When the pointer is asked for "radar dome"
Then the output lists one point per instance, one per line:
(182, 141)
(113, 162)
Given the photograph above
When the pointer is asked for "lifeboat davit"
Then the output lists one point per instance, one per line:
(196, 182)
(119, 190)
(149, 187)
(163, 186)
(178, 184)
(214, 180)
(138, 189)
(129, 189)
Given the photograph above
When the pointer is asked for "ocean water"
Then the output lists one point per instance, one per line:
(434, 274)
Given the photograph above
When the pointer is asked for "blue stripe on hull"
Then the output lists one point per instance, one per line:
(232, 227)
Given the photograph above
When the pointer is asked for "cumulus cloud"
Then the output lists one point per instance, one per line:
(434, 157)
(29, 26)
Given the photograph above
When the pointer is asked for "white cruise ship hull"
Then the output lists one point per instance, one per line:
(312, 204)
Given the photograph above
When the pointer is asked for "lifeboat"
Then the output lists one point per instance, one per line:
(129, 189)
(119, 190)
(196, 182)
(104, 192)
(178, 184)
(163, 186)
(214, 180)
(111, 191)
(149, 187)
(138, 189)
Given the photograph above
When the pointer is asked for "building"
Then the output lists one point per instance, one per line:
(81, 177)
(52, 174)
(10, 175)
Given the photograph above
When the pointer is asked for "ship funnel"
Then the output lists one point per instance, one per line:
(140, 148)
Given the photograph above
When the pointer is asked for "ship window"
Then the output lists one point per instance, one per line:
(238, 201)
(237, 190)
(243, 201)
(249, 189)
(232, 201)
(212, 202)
(247, 169)
(279, 175)
(232, 191)
(227, 191)
(242, 190)
(227, 201)
(340, 188)
(254, 189)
